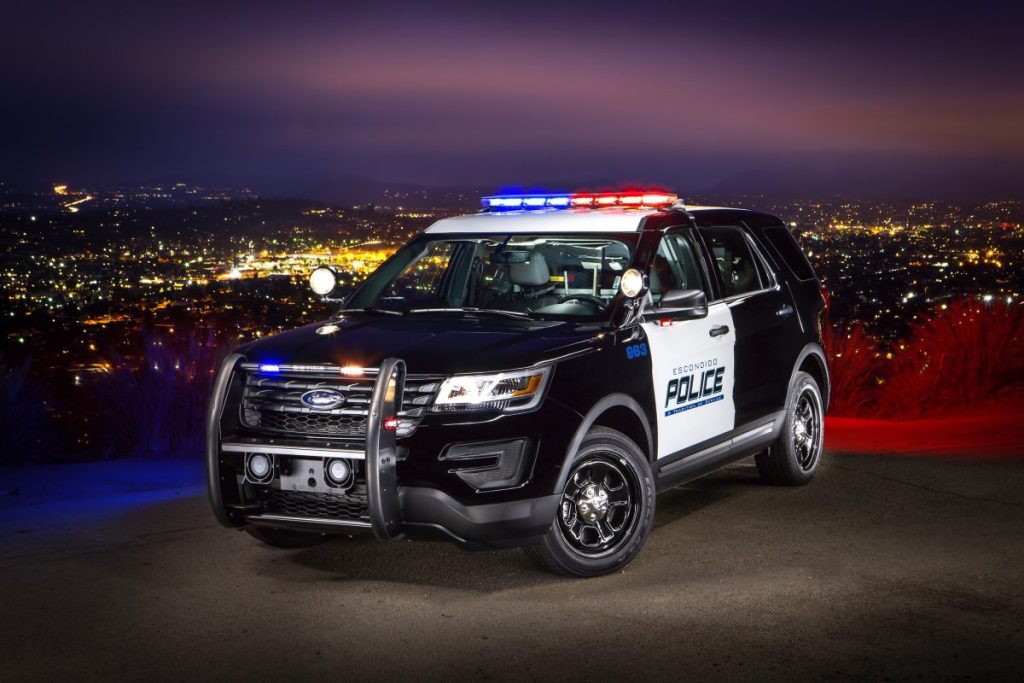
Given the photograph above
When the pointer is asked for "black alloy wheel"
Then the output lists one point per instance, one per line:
(599, 506)
(606, 508)
(795, 456)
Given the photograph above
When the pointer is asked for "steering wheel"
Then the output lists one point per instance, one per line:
(589, 298)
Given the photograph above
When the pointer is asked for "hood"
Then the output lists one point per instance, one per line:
(428, 344)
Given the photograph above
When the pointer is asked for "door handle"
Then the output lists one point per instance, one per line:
(784, 311)
(719, 330)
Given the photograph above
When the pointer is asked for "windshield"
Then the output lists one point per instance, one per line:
(542, 276)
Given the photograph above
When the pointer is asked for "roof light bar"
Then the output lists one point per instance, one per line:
(525, 201)
(631, 198)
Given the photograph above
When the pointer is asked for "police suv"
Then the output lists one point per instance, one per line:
(531, 375)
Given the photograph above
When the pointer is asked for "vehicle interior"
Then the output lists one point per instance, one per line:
(546, 275)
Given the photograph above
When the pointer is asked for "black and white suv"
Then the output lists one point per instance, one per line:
(531, 375)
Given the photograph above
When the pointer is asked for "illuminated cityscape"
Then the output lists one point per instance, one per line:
(77, 284)
(86, 282)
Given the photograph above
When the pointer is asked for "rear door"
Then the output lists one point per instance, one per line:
(692, 361)
(761, 312)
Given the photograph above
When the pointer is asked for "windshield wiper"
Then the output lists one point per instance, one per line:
(370, 309)
(519, 315)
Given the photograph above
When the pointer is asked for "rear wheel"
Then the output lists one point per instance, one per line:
(285, 538)
(606, 509)
(796, 454)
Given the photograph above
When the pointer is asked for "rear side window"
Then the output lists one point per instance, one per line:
(785, 245)
(736, 264)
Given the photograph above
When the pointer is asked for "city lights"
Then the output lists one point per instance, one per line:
(80, 290)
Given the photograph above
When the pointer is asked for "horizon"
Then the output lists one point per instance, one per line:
(372, 191)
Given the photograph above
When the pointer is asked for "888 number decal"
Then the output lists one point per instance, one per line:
(634, 351)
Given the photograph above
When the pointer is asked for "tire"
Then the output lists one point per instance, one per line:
(796, 455)
(285, 538)
(586, 539)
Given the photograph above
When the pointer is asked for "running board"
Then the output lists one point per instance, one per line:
(684, 467)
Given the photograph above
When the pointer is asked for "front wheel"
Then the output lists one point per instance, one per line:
(606, 510)
(796, 454)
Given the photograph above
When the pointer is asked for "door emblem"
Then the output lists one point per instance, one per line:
(323, 399)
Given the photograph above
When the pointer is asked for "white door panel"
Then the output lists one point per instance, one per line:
(693, 379)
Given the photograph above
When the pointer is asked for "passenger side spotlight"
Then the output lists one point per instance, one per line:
(338, 473)
(259, 468)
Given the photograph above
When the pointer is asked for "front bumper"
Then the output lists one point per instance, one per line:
(391, 511)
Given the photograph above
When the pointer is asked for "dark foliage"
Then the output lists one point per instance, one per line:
(22, 414)
(157, 408)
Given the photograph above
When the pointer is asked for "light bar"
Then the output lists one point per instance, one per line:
(514, 202)
(630, 199)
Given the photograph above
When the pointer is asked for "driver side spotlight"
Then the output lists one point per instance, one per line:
(323, 280)
(632, 282)
(259, 468)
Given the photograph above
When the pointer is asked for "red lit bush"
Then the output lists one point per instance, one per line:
(855, 369)
(956, 357)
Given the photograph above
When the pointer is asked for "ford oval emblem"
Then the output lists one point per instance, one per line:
(323, 399)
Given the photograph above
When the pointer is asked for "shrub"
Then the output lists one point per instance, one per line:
(159, 407)
(955, 357)
(22, 414)
(855, 370)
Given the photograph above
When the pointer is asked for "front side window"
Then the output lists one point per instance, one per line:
(549, 275)
(737, 266)
(675, 267)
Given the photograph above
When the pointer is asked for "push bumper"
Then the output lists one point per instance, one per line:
(394, 512)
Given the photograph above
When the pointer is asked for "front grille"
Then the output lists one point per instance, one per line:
(273, 402)
(352, 506)
(306, 423)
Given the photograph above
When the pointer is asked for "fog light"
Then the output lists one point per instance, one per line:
(338, 473)
(259, 468)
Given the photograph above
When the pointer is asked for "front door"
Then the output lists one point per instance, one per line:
(692, 361)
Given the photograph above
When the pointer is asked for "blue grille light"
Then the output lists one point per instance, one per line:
(270, 367)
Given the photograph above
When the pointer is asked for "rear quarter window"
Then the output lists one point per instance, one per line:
(786, 247)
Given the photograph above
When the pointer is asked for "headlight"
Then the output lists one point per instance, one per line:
(505, 391)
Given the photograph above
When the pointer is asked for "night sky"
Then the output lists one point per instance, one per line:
(293, 98)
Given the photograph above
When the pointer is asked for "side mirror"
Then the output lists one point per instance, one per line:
(681, 304)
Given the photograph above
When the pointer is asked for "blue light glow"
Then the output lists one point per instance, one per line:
(270, 367)
(526, 201)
